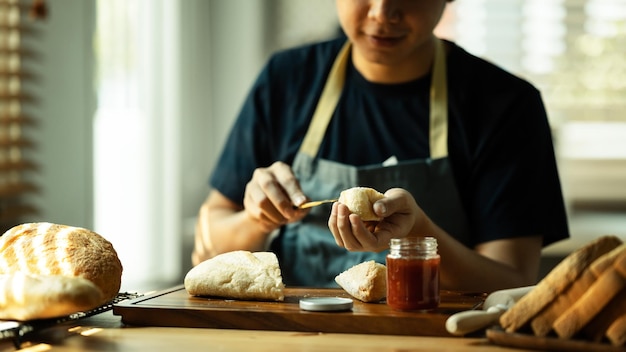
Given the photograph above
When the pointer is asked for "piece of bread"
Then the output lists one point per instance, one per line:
(238, 275)
(542, 323)
(360, 201)
(599, 326)
(366, 281)
(26, 297)
(61, 250)
(616, 333)
(556, 282)
(607, 286)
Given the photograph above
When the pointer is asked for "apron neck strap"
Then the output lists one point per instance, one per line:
(334, 86)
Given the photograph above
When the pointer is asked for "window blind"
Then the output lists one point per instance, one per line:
(17, 158)
(573, 50)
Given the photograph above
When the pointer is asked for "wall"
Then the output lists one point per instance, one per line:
(65, 113)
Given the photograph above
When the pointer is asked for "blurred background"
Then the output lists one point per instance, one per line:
(113, 112)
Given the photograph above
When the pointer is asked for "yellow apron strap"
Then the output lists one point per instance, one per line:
(332, 92)
(439, 105)
(327, 103)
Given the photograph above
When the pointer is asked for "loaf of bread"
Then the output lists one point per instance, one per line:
(366, 281)
(616, 332)
(53, 260)
(26, 297)
(583, 297)
(360, 201)
(557, 280)
(599, 326)
(543, 322)
(593, 301)
(238, 275)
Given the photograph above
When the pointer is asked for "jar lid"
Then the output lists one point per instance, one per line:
(326, 304)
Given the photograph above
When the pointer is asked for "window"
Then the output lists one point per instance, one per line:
(18, 166)
(574, 51)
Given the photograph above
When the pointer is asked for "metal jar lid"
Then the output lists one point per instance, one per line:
(326, 304)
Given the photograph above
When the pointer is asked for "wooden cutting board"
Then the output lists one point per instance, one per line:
(174, 307)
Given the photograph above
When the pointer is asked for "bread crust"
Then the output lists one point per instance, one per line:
(607, 286)
(556, 282)
(48, 249)
(599, 326)
(542, 323)
(27, 297)
(616, 333)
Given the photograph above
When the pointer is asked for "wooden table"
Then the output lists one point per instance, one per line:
(105, 332)
(171, 320)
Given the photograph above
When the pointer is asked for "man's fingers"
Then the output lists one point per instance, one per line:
(289, 183)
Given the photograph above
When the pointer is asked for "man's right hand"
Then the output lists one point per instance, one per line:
(271, 194)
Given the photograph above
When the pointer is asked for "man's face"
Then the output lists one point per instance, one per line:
(389, 31)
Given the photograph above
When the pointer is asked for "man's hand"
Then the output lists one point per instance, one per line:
(400, 214)
(271, 194)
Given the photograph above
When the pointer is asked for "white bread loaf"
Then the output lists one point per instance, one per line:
(238, 275)
(581, 298)
(49, 257)
(366, 281)
(26, 297)
(360, 201)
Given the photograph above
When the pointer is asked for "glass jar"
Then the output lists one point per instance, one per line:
(413, 273)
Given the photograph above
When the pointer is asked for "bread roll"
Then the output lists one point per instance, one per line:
(26, 297)
(238, 275)
(45, 249)
(366, 281)
(360, 201)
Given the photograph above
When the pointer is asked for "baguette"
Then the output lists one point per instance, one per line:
(238, 275)
(556, 282)
(27, 297)
(366, 281)
(607, 286)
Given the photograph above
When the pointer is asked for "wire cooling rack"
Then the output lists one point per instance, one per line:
(16, 330)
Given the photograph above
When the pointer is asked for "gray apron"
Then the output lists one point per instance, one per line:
(307, 250)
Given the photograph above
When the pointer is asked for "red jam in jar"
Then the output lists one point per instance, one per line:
(413, 274)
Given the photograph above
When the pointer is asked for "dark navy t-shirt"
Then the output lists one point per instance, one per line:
(499, 139)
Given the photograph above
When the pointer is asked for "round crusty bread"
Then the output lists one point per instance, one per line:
(360, 201)
(59, 250)
(26, 297)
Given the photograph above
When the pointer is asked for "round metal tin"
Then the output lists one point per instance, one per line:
(326, 304)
